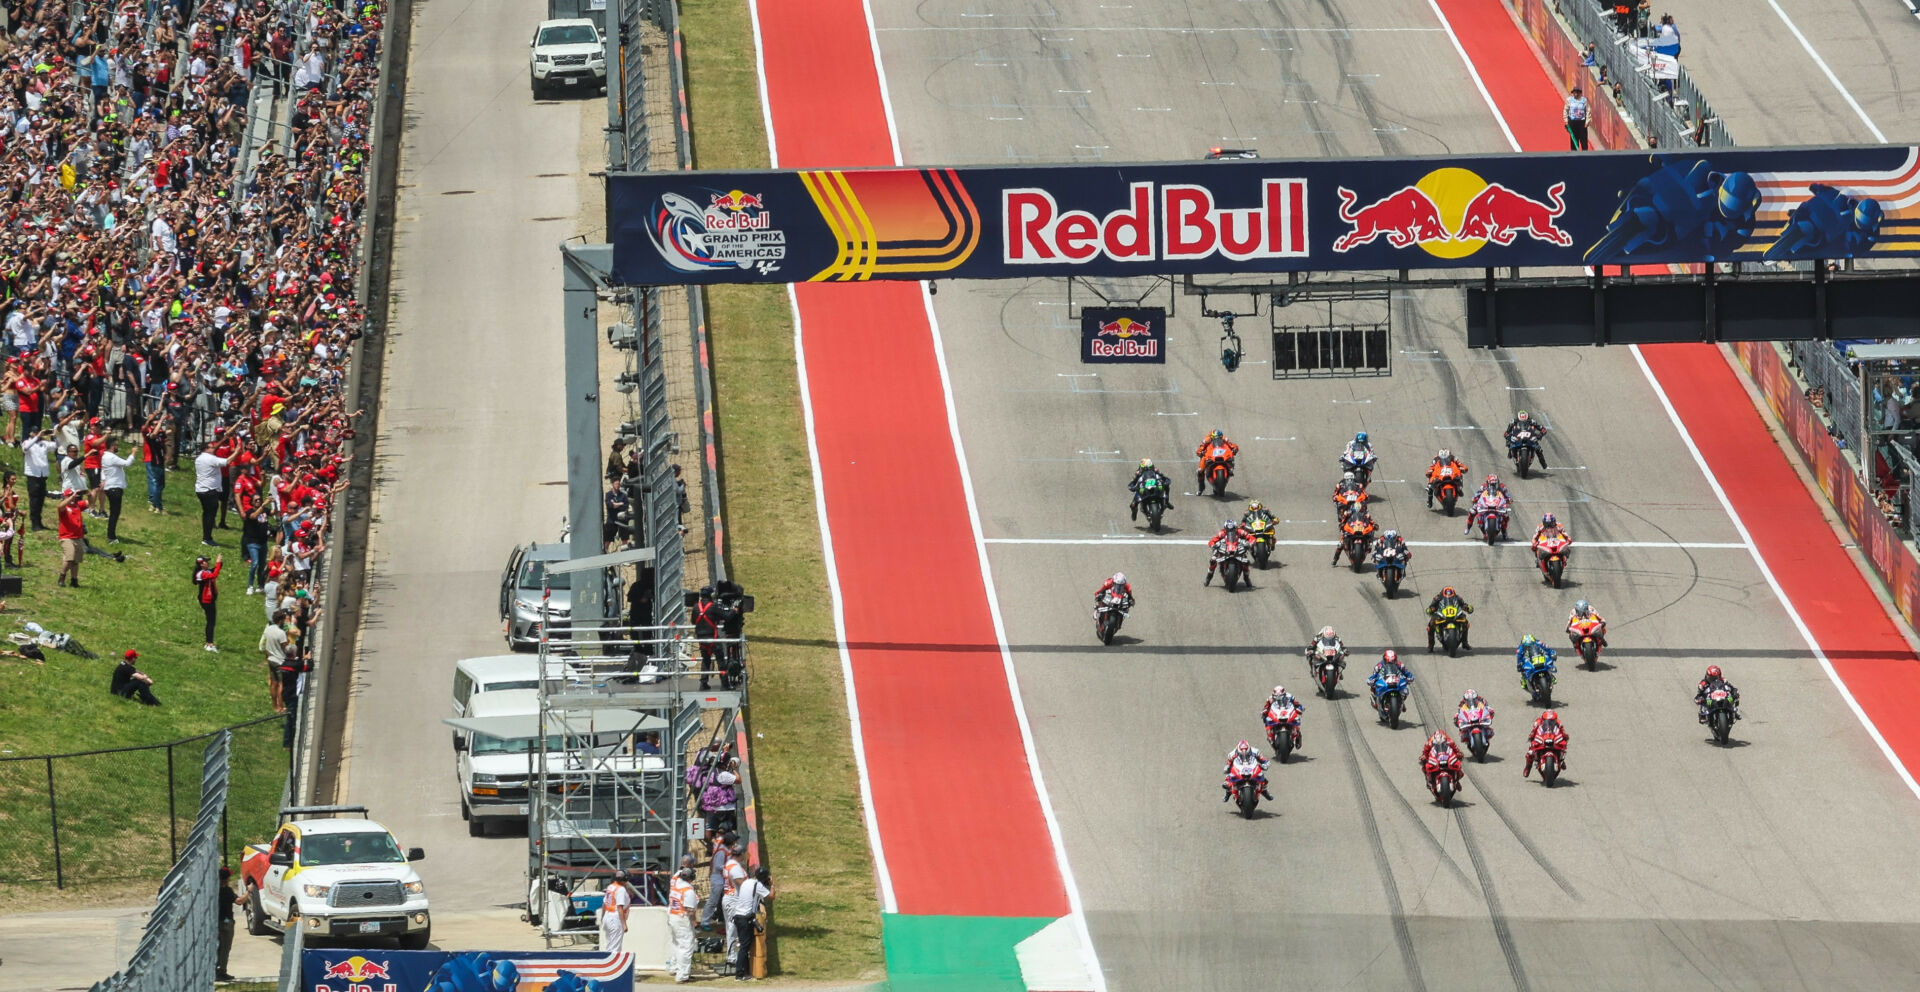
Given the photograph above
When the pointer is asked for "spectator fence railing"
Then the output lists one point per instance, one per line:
(1674, 117)
(1907, 466)
(65, 811)
(176, 952)
(1823, 368)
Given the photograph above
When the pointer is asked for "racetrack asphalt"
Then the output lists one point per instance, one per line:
(1658, 862)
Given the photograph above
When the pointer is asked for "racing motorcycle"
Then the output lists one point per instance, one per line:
(1326, 663)
(1389, 697)
(1391, 566)
(1218, 471)
(1450, 628)
(1720, 715)
(1354, 536)
(1586, 639)
(1261, 531)
(1246, 791)
(1552, 748)
(1443, 781)
(1523, 448)
(1449, 494)
(1345, 502)
(1362, 469)
(1233, 558)
(1553, 553)
(1153, 500)
(1108, 615)
(1492, 510)
(1537, 676)
(1284, 735)
(1476, 730)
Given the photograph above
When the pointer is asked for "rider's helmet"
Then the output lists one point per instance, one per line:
(1439, 737)
(1713, 671)
(1448, 591)
(1529, 640)
(1346, 477)
(1119, 578)
(1229, 525)
(1255, 506)
(1445, 456)
(1492, 480)
(1390, 657)
(1245, 750)
(1522, 417)
(1389, 536)
(1279, 692)
(1581, 608)
(1216, 435)
(1469, 697)
(1360, 437)
(1146, 464)
(1547, 520)
(1549, 716)
(1327, 634)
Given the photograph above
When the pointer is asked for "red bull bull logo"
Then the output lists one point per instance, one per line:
(737, 200)
(1451, 213)
(355, 974)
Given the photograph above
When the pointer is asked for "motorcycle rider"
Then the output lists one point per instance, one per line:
(1530, 648)
(1326, 638)
(1711, 681)
(1521, 422)
(1118, 585)
(1583, 611)
(1216, 448)
(1549, 528)
(1390, 545)
(1358, 453)
(1257, 512)
(1547, 734)
(1227, 528)
(1389, 664)
(1437, 753)
(1445, 468)
(1489, 489)
(1247, 761)
(1140, 476)
(1361, 523)
(1448, 597)
(1473, 709)
(1276, 705)
(1349, 494)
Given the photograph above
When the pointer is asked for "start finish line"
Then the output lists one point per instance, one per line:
(1567, 209)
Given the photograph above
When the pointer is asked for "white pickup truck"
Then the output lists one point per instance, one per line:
(335, 876)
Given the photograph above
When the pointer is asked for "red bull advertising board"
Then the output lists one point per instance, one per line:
(1123, 335)
(1261, 215)
(350, 970)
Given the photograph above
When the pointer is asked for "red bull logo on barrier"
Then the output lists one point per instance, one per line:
(356, 974)
(1184, 222)
(1452, 213)
(1123, 334)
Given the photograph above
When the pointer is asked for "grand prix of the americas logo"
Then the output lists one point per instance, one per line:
(733, 229)
(1451, 213)
(1183, 223)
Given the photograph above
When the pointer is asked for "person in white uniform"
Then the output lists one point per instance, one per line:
(682, 903)
(613, 912)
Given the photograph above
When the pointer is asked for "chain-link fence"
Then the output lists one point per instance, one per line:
(1672, 111)
(125, 815)
(176, 952)
(1834, 386)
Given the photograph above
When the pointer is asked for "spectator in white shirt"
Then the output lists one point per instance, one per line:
(36, 453)
(743, 912)
(113, 481)
(209, 480)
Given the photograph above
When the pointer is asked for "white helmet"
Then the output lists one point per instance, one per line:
(1469, 696)
(1279, 691)
(1347, 477)
(1327, 634)
(1446, 455)
(1244, 748)
(1390, 535)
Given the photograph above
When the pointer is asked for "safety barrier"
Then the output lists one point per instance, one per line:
(1605, 124)
(1678, 117)
(1837, 387)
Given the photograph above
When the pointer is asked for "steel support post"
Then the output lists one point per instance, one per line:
(584, 269)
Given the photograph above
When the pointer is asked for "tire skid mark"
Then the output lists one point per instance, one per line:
(1397, 910)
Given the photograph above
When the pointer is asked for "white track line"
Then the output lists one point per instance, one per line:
(888, 904)
(1297, 543)
(1831, 78)
(1088, 958)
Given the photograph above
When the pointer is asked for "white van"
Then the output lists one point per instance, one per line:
(494, 673)
(496, 747)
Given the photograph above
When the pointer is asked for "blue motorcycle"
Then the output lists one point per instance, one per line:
(1537, 672)
(1389, 695)
(1523, 447)
(1390, 567)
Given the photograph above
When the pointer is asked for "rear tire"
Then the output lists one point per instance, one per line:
(1523, 461)
(1722, 725)
(1153, 517)
(1478, 747)
(1447, 503)
(1591, 654)
(1392, 584)
(1107, 627)
(1230, 572)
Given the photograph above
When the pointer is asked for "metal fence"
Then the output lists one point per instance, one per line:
(1678, 117)
(176, 951)
(82, 818)
(1834, 385)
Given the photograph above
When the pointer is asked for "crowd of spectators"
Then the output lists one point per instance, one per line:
(159, 290)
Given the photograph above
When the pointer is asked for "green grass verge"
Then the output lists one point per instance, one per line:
(826, 917)
(113, 808)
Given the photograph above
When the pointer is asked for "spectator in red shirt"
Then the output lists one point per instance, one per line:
(73, 537)
(206, 577)
(153, 450)
(26, 387)
(91, 446)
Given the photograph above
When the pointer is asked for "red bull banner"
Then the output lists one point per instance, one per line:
(349, 970)
(1114, 335)
(1255, 215)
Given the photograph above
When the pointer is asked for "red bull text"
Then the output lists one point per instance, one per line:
(1183, 223)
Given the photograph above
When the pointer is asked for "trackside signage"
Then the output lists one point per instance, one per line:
(1113, 335)
(1235, 216)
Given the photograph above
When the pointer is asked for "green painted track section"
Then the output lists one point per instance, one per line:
(955, 953)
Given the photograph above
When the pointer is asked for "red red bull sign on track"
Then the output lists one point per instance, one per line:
(1114, 335)
(1259, 215)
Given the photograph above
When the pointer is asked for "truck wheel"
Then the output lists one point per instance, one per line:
(476, 827)
(256, 919)
(416, 941)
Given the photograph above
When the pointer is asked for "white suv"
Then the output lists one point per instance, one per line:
(567, 54)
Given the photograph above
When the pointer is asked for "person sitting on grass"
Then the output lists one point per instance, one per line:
(129, 682)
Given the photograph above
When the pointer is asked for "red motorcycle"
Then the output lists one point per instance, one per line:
(1587, 634)
(1443, 774)
(1217, 472)
(1549, 749)
(1553, 553)
(1283, 732)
